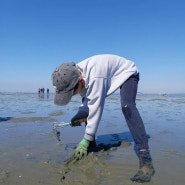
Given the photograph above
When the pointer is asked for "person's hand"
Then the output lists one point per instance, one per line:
(79, 118)
(81, 150)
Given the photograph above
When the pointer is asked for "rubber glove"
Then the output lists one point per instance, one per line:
(81, 150)
(76, 120)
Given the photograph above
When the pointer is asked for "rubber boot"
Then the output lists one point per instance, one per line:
(145, 172)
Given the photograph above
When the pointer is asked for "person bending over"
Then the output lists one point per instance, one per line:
(94, 79)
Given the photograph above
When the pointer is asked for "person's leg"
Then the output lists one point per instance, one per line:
(128, 92)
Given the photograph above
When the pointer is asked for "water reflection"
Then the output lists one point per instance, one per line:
(42, 96)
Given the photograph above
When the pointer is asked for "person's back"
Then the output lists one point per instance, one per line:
(114, 68)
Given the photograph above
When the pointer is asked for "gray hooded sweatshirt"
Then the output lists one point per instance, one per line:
(103, 75)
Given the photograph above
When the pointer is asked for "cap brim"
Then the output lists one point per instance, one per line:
(62, 98)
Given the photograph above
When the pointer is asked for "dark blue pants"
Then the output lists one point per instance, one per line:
(128, 92)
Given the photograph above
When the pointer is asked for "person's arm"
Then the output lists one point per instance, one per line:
(96, 95)
(95, 101)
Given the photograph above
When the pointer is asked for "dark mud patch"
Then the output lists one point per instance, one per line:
(173, 153)
(4, 174)
(58, 113)
(29, 112)
(164, 132)
(5, 118)
(30, 119)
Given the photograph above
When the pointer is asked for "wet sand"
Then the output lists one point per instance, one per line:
(32, 153)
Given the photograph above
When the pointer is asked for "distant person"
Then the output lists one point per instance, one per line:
(94, 79)
(39, 90)
(47, 90)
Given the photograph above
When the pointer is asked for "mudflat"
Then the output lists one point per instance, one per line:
(32, 152)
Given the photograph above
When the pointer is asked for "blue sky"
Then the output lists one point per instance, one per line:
(38, 35)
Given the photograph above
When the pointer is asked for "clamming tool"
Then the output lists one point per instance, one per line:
(60, 124)
(63, 124)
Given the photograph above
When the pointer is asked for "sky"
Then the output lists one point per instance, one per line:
(36, 36)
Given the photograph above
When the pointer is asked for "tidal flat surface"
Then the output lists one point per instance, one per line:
(31, 152)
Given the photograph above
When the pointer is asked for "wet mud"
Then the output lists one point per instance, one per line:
(58, 113)
(30, 119)
(4, 174)
(32, 153)
(92, 169)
